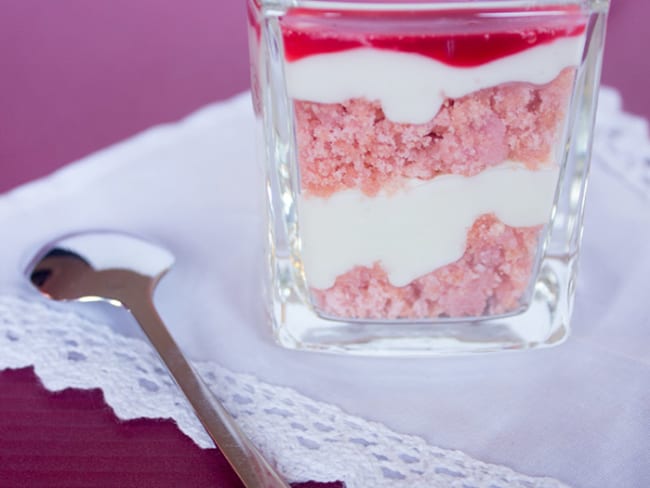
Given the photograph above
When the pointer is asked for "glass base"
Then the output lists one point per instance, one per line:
(544, 323)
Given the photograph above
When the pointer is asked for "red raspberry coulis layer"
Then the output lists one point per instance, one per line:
(461, 38)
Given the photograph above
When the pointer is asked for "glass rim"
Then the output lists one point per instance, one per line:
(429, 5)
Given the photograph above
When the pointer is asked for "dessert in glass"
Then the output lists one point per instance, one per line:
(425, 167)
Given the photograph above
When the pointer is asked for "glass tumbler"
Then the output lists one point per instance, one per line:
(425, 167)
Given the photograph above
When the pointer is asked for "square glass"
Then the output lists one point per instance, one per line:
(425, 169)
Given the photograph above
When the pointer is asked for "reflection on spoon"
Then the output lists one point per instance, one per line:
(124, 270)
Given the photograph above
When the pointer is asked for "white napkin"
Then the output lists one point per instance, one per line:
(579, 413)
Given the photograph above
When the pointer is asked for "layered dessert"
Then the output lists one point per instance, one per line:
(429, 152)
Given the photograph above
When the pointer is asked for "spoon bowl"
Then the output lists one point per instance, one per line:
(123, 270)
(99, 266)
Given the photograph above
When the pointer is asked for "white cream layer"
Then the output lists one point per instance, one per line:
(419, 228)
(412, 87)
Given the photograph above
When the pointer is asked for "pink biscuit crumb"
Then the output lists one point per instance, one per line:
(353, 145)
(490, 278)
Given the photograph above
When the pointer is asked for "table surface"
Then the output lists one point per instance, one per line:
(78, 76)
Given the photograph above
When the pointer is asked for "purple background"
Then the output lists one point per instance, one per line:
(78, 75)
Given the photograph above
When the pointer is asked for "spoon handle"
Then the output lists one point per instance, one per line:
(245, 459)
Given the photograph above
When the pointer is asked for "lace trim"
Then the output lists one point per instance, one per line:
(307, 440)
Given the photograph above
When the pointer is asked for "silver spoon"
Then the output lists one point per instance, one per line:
(124, 270)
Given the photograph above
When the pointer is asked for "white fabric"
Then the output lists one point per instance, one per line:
(579, 413)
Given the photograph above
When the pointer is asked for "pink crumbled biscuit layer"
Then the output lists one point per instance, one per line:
(489, 279)
(353, 145)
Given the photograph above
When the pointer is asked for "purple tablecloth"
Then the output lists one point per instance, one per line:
(73, 439)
